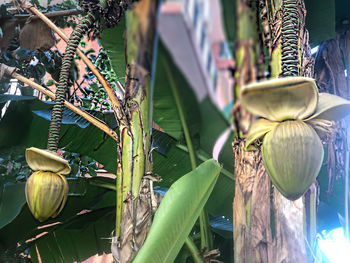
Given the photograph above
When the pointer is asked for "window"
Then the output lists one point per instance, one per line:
(224, 50)
(202, 41)
(215, 80)
(210, 61)
(195, 15)
(186, 6)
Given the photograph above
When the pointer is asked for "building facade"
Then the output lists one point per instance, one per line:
(194, 34)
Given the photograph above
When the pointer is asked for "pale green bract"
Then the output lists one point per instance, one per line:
(46, 194)
(293, 118)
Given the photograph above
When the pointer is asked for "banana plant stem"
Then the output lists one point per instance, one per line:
(194, 251)
(90, 118)
(111, 95)
(206, 239)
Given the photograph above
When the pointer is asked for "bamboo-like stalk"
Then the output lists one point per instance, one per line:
(92, 119)
(194, 250)
(206, 237)
(134, 204)
(111, 95)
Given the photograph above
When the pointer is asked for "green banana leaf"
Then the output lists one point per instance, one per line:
(228, 13)
(177, 214)
(68, 244)
(12, 200)
(165, 112)
(320, 20)
(112, 41)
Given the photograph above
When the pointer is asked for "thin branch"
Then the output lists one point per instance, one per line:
(90, 118)
(22, 17)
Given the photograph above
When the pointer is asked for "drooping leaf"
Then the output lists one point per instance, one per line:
(11, 202)
(69, 244)
(177, 214)
(222, 226)
(8, 97)
(320, 20)
(112, 40)
(162, 142)
(228, 12)
(165, 112)
(69, 117)
(213, 125)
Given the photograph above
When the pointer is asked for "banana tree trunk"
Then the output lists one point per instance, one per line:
(251, 206)
(268, 227)
(134, 175)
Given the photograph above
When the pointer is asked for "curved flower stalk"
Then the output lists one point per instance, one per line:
(294, 119)
(47, 188)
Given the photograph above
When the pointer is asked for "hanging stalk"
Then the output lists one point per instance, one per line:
(290, 20)
(56, 117)
(134, 205)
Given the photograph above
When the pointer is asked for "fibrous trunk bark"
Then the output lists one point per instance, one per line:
(251, 207)
(267, 227)
(332, 67)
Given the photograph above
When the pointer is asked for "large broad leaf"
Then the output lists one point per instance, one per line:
(21, 127)
(170, 85)
(177, 214)
(320, 20)
(12, 199)
(8, 97)
(112, 41)
(26, 124)
(212, 127)
(67, 244)
(228, 14)
(342, 8)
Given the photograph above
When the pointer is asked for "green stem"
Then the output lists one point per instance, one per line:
(204, 158)
(182, 117)
(104, 185)
(206, 238)
(194, 251)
